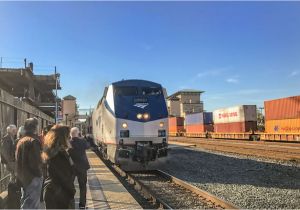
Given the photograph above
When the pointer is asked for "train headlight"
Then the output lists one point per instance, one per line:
(146, 116)
(124, 125)
(139, 116)
(161, 124)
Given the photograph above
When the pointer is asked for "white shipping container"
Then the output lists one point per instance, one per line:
(235, 114)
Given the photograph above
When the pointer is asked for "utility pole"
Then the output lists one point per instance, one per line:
(56, 108)
(261, 108)
(25, 63)
(1, 63)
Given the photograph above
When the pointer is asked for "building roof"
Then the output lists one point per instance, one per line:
(14, 80)
(37, 90)
(184, 91)
(69, 97)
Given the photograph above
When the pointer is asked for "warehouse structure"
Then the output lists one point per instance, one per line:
(184, 102)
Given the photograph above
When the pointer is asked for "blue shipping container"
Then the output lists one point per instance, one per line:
(199, 118)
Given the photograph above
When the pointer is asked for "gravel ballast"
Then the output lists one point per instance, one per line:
(247, 183)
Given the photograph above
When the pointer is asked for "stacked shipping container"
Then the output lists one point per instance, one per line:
(283, 115)
(236, 119)
(176, 125)
(199, 123)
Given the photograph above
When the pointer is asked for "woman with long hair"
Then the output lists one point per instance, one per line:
(59, 189)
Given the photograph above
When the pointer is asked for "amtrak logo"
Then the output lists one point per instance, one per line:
(141, 105)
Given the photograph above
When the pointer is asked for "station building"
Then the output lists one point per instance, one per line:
(36, 90)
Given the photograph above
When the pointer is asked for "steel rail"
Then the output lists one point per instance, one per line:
(155, 199)
(141, 187)
(217, 201)
(148, 193)
(236, 146)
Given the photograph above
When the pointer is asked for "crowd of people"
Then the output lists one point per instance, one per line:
(45, 166)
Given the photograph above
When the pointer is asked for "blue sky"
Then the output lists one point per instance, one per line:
(237, 52)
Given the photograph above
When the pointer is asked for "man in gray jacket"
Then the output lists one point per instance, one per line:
(8, 148)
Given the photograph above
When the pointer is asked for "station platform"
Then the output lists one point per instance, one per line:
(104, 190)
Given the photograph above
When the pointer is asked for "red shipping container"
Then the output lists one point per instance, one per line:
(235, 127)
(198, 128)
(239, 113)
(176, 124)
(176, 129)
(284, 108)
(176, 121)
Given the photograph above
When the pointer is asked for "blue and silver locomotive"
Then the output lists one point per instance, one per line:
(130, 123)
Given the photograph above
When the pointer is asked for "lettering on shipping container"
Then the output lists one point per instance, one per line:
(228, 115)
(287, 129)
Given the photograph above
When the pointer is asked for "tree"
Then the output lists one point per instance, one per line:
(260, 120)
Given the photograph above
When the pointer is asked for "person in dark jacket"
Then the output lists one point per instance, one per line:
(8, 148)
(81, 163)
(28, 161)
(59, 189)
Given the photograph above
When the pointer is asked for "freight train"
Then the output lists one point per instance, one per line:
(282, 122)
(130, 124)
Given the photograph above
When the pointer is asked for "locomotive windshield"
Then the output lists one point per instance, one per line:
(151, 91)
(126, 91)
(134, 91)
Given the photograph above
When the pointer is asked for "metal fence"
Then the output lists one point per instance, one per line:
(14, 111)
(4, 178)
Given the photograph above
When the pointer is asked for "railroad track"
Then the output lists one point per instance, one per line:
(168, 192)
(259, 150)
(173, 193)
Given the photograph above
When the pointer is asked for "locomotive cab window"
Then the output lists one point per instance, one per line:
(151, 91)
(126, 91)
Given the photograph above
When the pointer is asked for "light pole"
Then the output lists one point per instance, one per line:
(56, 102)
(66, 118)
